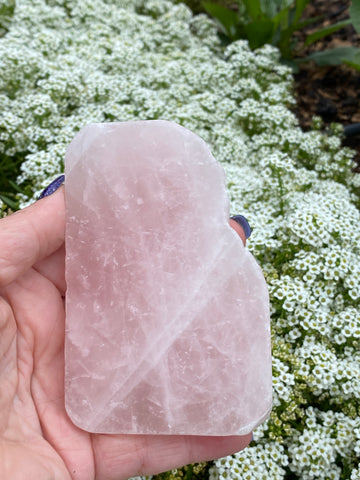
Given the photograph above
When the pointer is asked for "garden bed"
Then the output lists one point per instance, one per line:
(67, 63)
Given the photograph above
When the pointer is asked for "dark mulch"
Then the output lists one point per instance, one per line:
(333, 93)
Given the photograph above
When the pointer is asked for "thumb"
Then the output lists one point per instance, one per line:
(30, 235)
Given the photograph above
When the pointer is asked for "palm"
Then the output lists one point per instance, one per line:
(34, 318)
(37, 438)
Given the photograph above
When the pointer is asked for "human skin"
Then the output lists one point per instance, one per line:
(38, 441)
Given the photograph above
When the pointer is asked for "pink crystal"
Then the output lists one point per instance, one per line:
(167, 313)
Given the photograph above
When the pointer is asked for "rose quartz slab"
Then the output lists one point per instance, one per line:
(167, 313)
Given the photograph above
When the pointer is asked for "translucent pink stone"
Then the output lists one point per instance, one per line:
(167, 314)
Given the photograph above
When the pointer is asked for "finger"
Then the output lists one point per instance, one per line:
(30, 235)
(53, 268)
(123, 456)
(238, 229)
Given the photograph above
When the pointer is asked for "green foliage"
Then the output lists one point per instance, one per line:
(261, 22)
(7, 8)
(275, 22)
(355, 14)
(197, 7)
(227, 19)
(9, 171)
(318, 34)
(336, 56)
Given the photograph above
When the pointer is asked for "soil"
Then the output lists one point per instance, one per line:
(329, 92)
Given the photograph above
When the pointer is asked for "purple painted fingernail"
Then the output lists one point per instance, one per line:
(52, 187)
(241, 220)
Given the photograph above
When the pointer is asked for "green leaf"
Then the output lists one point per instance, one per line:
(258, 33)
(354, 65)
(354, 12)
(253, 8)
(272, 8)
(227, 19)
(300, 7)
(309, 21)
(284, 28)
(291, 17)
(15, 186)
(294, 26)
(281, 19)
(334, 56)
(355, 61)
(313, 37)
(10, 203)
(283, 38)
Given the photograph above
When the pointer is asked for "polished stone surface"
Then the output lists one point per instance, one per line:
(167, 313)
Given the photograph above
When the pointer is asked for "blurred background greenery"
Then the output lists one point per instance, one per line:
(196, 5)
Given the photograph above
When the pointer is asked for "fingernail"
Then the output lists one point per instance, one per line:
(241, 220)
(52, 187)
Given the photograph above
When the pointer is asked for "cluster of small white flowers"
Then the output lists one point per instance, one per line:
(283, 381)
(355, 474)
(260, 462)
(327, 373)
(66, 63)
(346, 324)
(325, 436)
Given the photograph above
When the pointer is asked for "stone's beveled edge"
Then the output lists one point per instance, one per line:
(242, 431)
(71, 415)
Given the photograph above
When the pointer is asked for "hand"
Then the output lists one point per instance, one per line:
(37, 439)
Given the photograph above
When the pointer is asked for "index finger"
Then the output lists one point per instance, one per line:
(30, 235)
